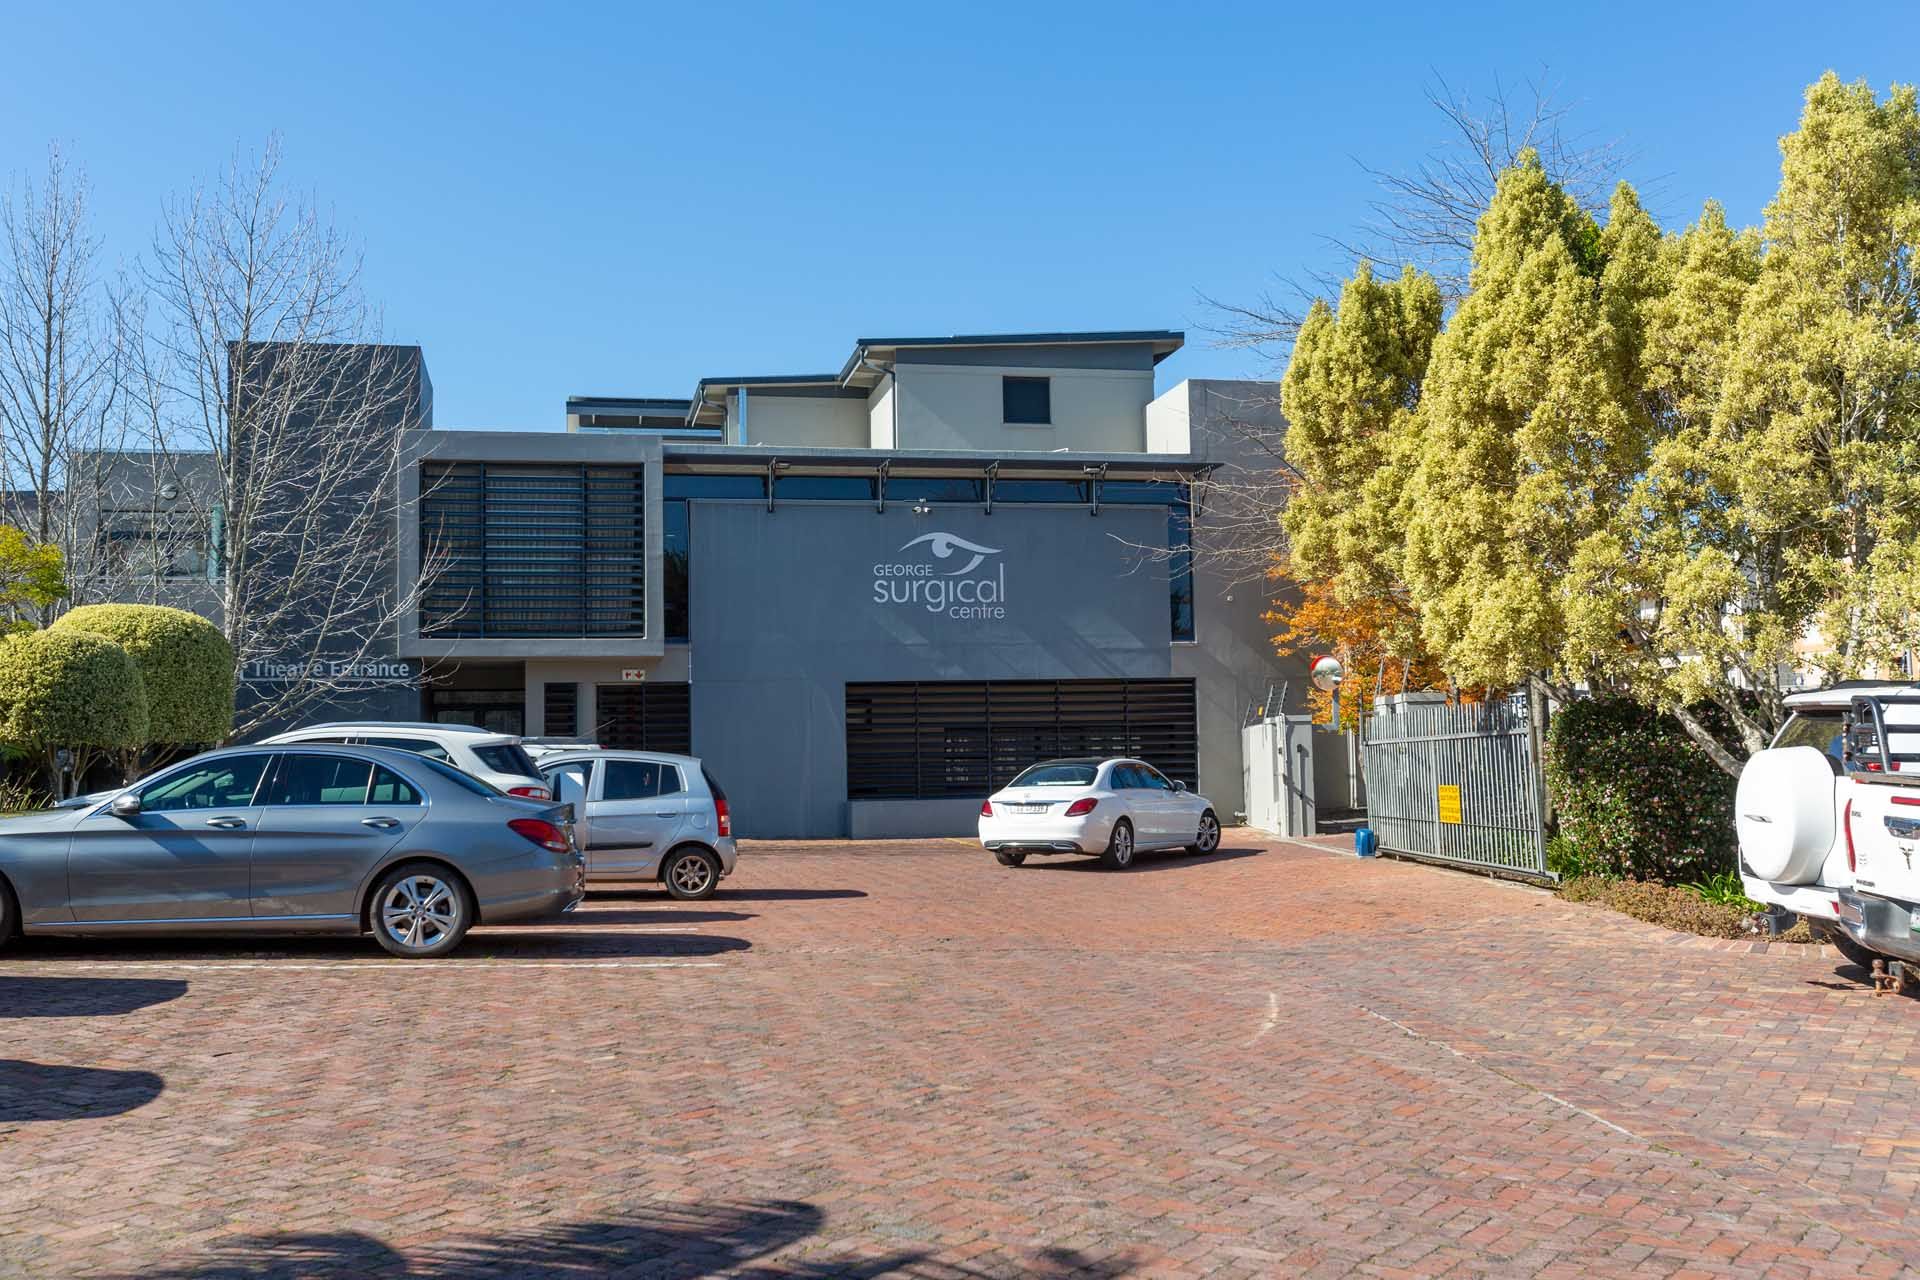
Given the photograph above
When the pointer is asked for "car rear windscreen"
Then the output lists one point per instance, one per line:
(507, 757)
(1057, 775)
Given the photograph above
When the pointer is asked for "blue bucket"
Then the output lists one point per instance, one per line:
(1363, 842)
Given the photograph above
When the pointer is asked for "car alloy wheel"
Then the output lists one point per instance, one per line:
(420, 913)
(1209, 838)
(691, 875)
(1119, 854)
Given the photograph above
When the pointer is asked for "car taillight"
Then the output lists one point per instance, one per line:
(986, 808)
(541, 832)
(1846, 821)
(722, 820)
(1081, 808)
(530, 793)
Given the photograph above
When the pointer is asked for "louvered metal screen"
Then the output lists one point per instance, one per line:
(562, 710)
(646, 717)
(939, 739)
(517, 550)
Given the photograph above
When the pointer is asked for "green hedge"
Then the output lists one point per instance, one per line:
(1635, 796)
(184, 661)
(70, 689)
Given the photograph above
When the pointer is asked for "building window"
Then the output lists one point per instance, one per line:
(935, 489)
(1027, 401)
(153, 545)
(676, 545)
(792, 488)
(946, 739)
(527, 550)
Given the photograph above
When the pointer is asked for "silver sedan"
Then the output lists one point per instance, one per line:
(292, 839)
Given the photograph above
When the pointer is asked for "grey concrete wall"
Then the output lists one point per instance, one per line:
(1232, 659)
(910, 819)
(784, 607)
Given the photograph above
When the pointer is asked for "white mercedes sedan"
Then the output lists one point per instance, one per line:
(1113, 808)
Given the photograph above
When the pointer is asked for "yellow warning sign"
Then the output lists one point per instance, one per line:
(1450, 805)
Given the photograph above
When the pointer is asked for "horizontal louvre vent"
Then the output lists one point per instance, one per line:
(646, 717)
(940, 739)
(512, 550)
(563, 711)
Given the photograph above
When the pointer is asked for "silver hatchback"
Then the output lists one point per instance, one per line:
(293, 839)
(642, 815)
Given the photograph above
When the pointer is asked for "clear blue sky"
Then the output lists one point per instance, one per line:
(618, 199)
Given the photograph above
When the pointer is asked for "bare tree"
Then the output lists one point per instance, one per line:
(276, 420)
(59, 359)
(1425, 216)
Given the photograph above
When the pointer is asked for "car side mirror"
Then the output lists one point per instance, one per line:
(1179, 785)
(127, 806)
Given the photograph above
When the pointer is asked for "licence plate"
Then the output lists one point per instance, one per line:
(1026, 808)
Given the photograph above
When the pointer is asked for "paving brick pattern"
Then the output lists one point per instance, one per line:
(864, 1061)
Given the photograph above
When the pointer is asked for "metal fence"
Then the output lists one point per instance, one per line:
(1460, 784)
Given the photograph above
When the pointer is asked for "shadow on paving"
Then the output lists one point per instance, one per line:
(41, 1091)
(547, 940)
(83, 997)
(44, 1091)
(735, 1240)
(1145, 861)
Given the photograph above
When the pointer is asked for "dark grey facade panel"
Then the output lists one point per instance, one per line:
(790, 606)
(1113, 355)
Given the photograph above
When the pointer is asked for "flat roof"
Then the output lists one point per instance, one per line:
(757, 457)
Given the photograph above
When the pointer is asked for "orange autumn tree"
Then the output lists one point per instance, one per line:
(1374, 637)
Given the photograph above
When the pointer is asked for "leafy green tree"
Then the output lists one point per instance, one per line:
(1531, 431)
(1349, 396)
(184, 661)
(33, 575)
(69, 689)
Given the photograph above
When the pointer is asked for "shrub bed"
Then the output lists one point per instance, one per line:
(1634, 796)
(1662, 904)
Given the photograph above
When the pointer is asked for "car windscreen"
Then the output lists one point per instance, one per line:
(1057, 775)
(508, 757)
(1820, 730)
(458, 778)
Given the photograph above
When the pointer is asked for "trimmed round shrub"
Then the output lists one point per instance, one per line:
(1635, 796)
(184, 661)
(70, 689)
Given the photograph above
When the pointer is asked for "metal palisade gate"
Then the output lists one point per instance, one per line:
(1456, 783)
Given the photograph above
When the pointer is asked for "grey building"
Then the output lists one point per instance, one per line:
(867, 596)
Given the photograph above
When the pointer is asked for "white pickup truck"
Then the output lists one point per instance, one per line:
(1792, 807)
(1880, 910)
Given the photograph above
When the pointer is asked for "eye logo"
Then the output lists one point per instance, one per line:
(946, 545)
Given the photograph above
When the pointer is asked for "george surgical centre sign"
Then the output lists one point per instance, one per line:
(944, 573)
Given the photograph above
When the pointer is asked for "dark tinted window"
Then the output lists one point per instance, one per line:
(1143, 492)
(1151, 779)
(313, 779)
(391, 788)
(670, 784)
(466, 781)
(1026, 400)
(418, 746)
(676, 545)
(216, 784)
(630, 780)
(1123, 777)
(824, 488)
(681, 485)
(507, 757)
(1041, 491)
(935, 489)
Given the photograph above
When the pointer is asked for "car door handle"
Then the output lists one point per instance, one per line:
(664, 813)
(382, 823)
(228, 824)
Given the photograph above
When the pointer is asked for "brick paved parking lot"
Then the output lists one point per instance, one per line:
(904, 1060)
